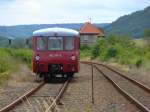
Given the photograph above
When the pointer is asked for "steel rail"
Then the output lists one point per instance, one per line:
(59, 95)
(21, 98)
(143, 86)
(122, 91)
(126, 77)
(31, 92)
(127, 95)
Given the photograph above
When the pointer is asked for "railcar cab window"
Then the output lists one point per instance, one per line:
(41, 43)
(55, 43)
(69, 43)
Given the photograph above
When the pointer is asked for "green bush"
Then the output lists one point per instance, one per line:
(121, 49)
(85, 47)
(111, 52)
(139, 63)
(85, 51)
(95, 51)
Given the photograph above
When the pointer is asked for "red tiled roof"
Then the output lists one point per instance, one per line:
(88, 28)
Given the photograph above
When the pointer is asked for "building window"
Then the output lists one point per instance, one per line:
(85, 38)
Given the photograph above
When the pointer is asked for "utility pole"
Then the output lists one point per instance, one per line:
(90, 20)
(92, 85)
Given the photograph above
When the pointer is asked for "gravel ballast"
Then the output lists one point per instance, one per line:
(106, 98)
(77, 97)
(41, 100)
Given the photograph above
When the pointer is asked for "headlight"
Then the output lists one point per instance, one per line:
(37, 58)
(73, 58)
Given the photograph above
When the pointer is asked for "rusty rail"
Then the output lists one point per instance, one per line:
(128, 96)
(28, 94)
(57, 98)
(122, 91)
(22, 98)
(146, 88)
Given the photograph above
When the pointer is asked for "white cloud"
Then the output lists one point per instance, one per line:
(58, 11)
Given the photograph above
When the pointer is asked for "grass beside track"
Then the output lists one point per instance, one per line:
(8, 59)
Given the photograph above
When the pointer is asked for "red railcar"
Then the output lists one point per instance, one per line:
(55, 51)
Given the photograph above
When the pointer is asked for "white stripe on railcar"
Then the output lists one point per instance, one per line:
(56, 31)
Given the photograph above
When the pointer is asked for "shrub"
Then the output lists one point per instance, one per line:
(120, 49)
(139, 63)
(98, 48)
(85, 51)
(111, 52)
(85, 47)
(95, 51)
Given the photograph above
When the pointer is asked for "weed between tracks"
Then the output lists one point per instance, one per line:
(41, 105)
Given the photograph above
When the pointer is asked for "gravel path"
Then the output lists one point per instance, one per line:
(77, 97)
(132, 89)
(106, 98)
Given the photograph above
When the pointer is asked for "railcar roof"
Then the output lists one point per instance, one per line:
(56, 31)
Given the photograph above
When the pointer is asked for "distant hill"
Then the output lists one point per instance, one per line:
(131, 25)
(3, 41)
(25, 31)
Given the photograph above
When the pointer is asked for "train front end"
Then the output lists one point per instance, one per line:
(55, 51)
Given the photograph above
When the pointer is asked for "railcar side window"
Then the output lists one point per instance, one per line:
(41, 43)
(55, 43)
(69, 43)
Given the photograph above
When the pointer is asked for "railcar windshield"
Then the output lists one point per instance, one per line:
(55, 43)
(41, 43)
(69, 43)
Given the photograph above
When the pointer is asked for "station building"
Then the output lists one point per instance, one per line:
(89, 33)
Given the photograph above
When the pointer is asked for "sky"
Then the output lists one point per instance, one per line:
(16, 12)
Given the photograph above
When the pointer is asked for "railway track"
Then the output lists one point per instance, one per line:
(134, 91)
(33, 91)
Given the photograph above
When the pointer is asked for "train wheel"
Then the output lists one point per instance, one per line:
(70, 75)
(64, 75)
(47, 77)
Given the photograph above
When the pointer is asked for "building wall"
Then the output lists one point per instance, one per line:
(88, 38)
